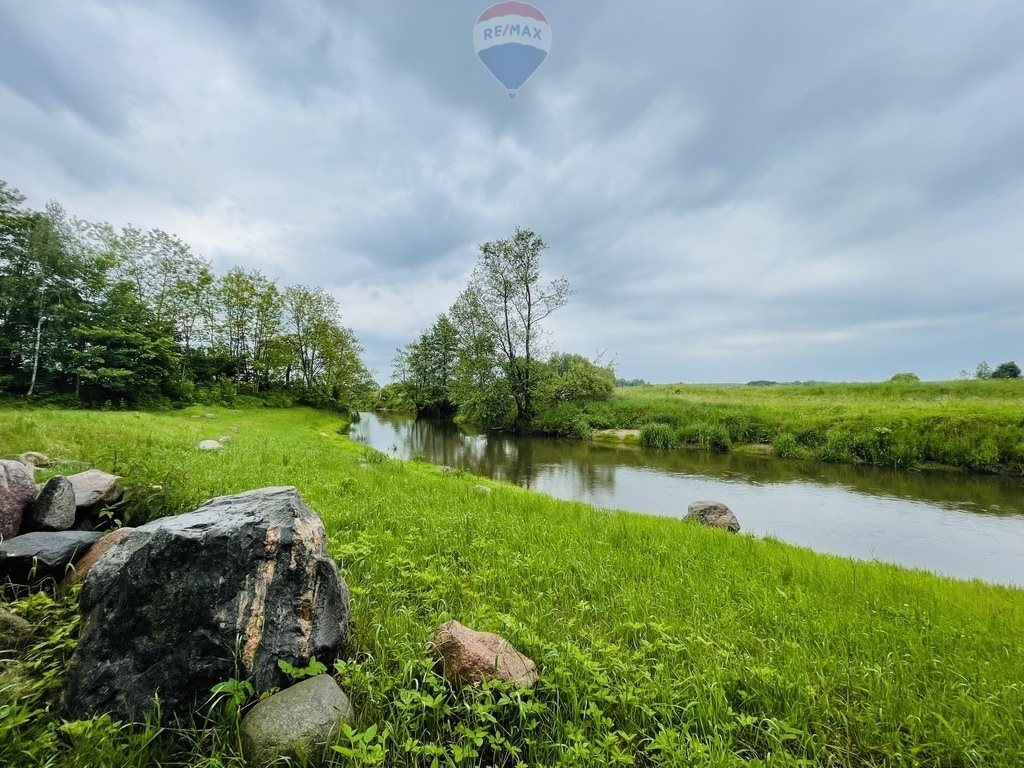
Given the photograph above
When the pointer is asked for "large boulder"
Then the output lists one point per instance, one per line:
(32, 557)
(17, 490)
(296, 723)
(186, 602)
(467, 656)
(96, 551)
(714, 514)
(54, 509)
(95, 487)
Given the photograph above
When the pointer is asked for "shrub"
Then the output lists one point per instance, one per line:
(786, 446)
(562, 420)
(905, 378)
(705, 435)
(658, 436)
(838, 446)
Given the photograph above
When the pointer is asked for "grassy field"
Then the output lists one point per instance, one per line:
(976, 425)
(659, 643)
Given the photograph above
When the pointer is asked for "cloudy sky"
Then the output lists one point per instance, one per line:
(735, 190)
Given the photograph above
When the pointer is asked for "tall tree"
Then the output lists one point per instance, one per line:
(515, 301)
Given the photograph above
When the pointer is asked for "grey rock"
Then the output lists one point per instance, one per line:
(14, 631)
(209, 415)
(223, 439)
(296, 723)
(95, 487)
(714, 514)
(483, 490)
(171, 608)
(209, 445)
(34, 556)
(54, 509)
(17, 491)
(34, 458)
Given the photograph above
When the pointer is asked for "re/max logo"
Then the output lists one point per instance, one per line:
(510, 30)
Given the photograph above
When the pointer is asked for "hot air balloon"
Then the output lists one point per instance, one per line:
(512, 39)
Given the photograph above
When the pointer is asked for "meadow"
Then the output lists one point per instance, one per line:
(976, 425)
(659, 643)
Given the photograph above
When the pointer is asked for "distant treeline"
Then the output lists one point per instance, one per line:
(97, 315)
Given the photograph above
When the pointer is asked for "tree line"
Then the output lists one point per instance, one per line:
(485, 360)
(125, 316)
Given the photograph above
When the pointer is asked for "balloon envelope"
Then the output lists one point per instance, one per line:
(512, 39)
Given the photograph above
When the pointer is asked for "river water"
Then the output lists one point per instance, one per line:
(967, 526)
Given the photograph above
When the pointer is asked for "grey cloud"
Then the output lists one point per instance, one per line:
(736, 191)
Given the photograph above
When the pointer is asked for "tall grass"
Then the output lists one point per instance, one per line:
(658, 642)
(977, 425)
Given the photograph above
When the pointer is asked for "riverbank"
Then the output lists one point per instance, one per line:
(659, 643)
(973, 425)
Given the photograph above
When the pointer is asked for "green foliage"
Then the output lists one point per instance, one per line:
(135, 318)
(656, 435)
(905, 378)
(1009, 370)
(974, 424)
(481, 362)
(395, 397)
(658, 644)
(562, 420)
(787, 447)
(312, 669)
(567, 377)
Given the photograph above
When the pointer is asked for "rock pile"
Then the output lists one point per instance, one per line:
(43, 530)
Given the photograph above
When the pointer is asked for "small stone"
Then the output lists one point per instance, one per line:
(297, 723)
(17, 491)
(446, 471)
(209, 445)
(54, 509)
(233, 429)
(35, 458)
(32, 557)
(713, 514)
(224, 439)
(96, 551)
(467, 657)
(14, 631)
(209, 415)
(483, 490)
(94, 487)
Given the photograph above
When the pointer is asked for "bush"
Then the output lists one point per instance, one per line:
(707, 436)
(905, 378)
(658, 436)
(562, 420)
(786, 446)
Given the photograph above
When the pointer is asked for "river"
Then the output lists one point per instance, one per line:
(961, 525)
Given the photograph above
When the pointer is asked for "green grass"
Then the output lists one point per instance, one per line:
(659, 643)
(976, 425)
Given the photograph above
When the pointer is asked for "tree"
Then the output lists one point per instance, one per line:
(574, 377)
(1008, 370)
(983, 371)
(427, 366)
(513, 301)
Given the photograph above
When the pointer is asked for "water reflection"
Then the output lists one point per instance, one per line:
(958, 524)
